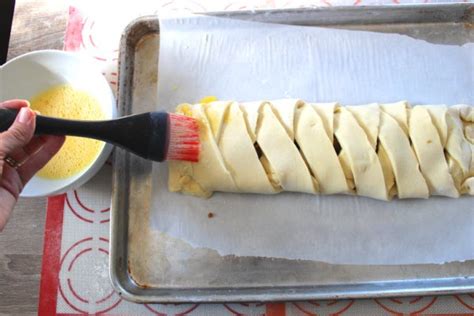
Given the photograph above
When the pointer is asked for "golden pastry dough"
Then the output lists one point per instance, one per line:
(211, 173)
(430, 153)
(410, 181)
(239, 154)
(375, 150)
(318, 150)
(363, 161)
(387, 170)
(273, 139)
(399, 112)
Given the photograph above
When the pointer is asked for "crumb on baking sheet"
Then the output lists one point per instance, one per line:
(210, 215)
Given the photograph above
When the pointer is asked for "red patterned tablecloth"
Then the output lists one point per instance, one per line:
(74, 277)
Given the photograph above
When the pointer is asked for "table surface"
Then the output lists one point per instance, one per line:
(21, 243)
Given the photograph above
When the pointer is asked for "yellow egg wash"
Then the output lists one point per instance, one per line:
(63, 101)
(213, 117)
(208, 99)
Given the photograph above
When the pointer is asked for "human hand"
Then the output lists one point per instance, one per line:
(21, 155)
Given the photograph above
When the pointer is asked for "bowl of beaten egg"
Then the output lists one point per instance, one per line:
(63, 85)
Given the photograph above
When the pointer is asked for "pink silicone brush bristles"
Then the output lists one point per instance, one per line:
(183, 136)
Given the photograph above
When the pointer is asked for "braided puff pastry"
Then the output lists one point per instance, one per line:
(375, 150)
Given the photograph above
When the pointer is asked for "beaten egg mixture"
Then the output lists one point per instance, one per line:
(63, 101)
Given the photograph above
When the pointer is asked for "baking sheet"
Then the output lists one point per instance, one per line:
(230, 59)
(150, 266)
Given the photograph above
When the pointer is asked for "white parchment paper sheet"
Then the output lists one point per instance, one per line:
(247, 61)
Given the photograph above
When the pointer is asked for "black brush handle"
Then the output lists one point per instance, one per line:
(145, 135)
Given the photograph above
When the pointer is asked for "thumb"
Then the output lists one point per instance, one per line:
(19, 134)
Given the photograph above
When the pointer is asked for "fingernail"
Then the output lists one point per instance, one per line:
(25, 115)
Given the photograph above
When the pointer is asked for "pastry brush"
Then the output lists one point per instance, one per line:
(156, 136)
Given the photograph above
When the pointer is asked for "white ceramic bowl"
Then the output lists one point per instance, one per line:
(29, 74)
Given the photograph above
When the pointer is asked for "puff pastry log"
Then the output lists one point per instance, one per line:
(375, 150)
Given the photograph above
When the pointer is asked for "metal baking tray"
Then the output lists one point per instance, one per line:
(148, 266)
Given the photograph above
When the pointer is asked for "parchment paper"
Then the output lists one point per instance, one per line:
(247, 61)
